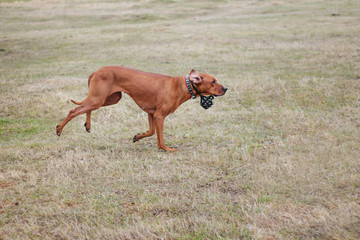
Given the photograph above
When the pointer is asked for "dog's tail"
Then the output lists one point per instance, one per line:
(79, 103)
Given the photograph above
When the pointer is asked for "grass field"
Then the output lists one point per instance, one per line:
(278, 157)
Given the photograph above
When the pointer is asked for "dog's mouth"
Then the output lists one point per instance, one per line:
(224, 91)
(207, 101)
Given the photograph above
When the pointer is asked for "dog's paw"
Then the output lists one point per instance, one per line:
(86, 128)
(135, 138)
(58, 132)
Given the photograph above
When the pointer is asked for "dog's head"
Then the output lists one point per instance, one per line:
(206, 84)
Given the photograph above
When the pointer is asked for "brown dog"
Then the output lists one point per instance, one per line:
(156, 94)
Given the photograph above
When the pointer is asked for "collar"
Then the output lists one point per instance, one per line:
(192, 95)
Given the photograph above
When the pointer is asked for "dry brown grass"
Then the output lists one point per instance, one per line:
(276, 158)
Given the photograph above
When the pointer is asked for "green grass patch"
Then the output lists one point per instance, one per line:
(21, 129)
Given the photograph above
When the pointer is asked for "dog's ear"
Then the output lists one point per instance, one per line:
(194, 77)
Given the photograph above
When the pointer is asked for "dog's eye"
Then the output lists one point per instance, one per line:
(213, 81)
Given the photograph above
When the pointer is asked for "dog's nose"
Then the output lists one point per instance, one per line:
(225, 89)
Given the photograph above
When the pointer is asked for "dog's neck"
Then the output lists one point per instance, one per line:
(188, 85)
(183, 93)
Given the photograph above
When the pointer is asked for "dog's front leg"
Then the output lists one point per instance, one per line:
(149, 133)
(159, 124)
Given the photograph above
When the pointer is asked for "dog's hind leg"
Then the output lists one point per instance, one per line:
(88, 116)
(88, 122)
(110, 100)
(87, 106)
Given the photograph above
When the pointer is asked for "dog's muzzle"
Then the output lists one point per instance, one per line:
(224, 89)
(207, 101)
